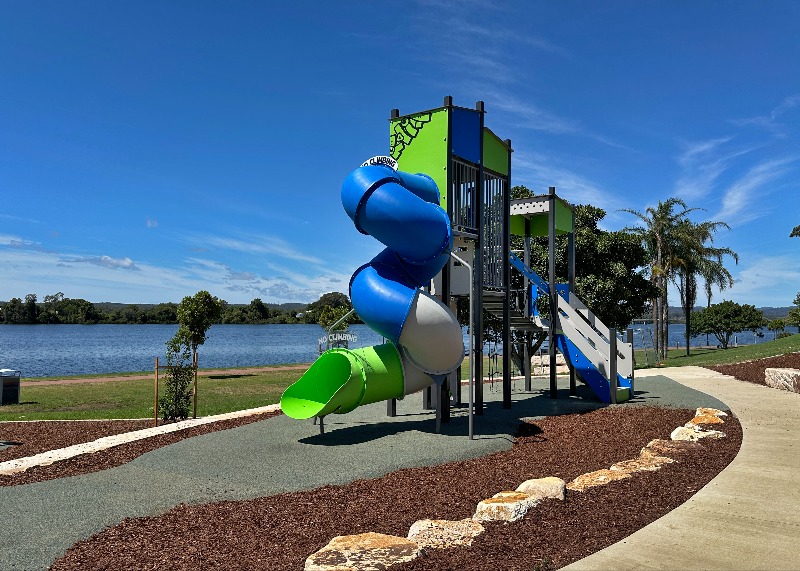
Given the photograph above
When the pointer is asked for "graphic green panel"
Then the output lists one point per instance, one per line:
(418, 143)
(495, 153)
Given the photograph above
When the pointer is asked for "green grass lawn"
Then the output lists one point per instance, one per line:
(134, 398)
(701, 357)
(227, 392)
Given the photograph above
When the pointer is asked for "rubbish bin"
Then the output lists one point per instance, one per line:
(10, 393)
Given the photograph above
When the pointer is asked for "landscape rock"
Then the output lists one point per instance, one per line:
(705, 411)
(550, 487)
(505, 506)
(363, 552)
(441, 533)
(644, 463)
(540, 365)
(669, 448)
(784, 379)
(596, 478)
(693, 433)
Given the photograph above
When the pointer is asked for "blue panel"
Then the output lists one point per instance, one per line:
(466, 134)
(596, 381)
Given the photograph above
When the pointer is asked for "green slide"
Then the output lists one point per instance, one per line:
(337, 382)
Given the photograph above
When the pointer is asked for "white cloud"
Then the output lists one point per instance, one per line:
(702, 164)
(151, 223)
(260, 244)
(743, 200)
(571, 186)
(105, 262)
(770, 121)
(764, 282)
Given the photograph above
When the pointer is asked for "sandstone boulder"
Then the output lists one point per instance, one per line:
(784, 379)
(542, 488)
(440, 533)
(705, 411)
(693, 433)
(644, 463)
(669, 448)
(363, 552)
(505, 506)
(596, 478)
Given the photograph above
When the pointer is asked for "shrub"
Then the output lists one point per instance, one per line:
(175, 403)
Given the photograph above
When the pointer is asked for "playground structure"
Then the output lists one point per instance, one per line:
(456, 243)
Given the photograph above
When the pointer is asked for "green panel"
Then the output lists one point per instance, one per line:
(419, 145)
(538, 224)
(495, 153)
(563, 217)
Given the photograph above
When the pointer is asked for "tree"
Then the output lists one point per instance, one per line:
(658, 236)
(795, 233)
(694, 256)
(175, 403)
(330, 315)
(196, 314)
(31, 310)
(776, 326)
(14, 311)
(50, 311)
(333, 299)
(724, 319)
(794, 313)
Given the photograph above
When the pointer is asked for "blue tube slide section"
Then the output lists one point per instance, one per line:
(400, 210)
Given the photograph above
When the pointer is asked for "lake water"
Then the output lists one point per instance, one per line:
(61, 350)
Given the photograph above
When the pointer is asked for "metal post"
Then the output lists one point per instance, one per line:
(506, 251)
(455, 387)
(528, 304)
(629, 339)
(194, 365)
(612, 372)
(471, 380)
(573, 388)
(478, 273)
(426, 398)
(391, 407)
(551, 269)
(155, 397)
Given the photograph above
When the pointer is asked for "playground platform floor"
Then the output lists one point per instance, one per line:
(40, 521)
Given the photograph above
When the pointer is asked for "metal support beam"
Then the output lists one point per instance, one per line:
(551, 270)
(573, 389)
(506, 251)
(477, 282)
(629, 339)
(528, 305)
(612, 371)
(391, 407)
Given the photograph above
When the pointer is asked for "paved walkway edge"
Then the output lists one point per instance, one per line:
(748, 517)
(46, 458)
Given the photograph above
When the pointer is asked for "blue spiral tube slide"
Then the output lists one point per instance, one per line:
(401, 210)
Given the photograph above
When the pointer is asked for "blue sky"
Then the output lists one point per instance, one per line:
(149, 150)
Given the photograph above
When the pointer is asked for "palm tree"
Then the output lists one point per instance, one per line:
(795, 233)
(659, 237)
(697, 257)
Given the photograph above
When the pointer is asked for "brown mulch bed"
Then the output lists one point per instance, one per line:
(753, 371)
(37, 437)
(279, 532)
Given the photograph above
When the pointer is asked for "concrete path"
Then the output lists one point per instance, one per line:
(748, 517)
